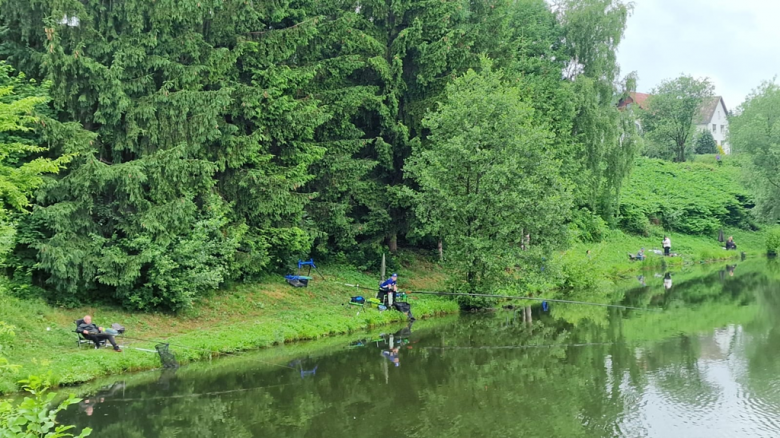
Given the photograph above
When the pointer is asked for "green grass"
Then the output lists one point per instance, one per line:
(246, 317)
(611, 255)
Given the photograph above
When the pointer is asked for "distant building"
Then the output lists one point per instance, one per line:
(712, 116)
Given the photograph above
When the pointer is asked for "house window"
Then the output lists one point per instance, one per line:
(722, 129)
(714, 128)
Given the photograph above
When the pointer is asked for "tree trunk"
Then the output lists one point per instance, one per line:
(392, 243)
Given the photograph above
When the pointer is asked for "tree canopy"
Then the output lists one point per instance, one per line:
(755, 131)
(671, 114)
(487, 178)
(229, 138)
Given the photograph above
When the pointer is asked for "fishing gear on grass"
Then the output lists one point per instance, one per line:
(511, 297)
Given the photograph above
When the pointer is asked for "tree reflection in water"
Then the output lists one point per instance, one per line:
(707, 363)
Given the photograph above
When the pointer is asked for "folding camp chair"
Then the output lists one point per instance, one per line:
(81, 339)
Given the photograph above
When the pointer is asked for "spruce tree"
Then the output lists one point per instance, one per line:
(204, 140)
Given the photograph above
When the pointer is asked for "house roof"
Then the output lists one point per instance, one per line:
(640, 99)
(635, 98)
(707, 109)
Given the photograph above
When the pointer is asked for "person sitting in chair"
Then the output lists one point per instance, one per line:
(96, 334)
(730, 243)
(388, 287)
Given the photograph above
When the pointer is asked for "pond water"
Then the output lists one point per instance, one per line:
(706, 365)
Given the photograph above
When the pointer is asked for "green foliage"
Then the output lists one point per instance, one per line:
(605, 140)
(487, 179)
(705, 143)
(773, 241)
(755, 131)
(588, 227)
(672, 112)
(33, 417)
(23, 160)
(204, 140)
(692, 198)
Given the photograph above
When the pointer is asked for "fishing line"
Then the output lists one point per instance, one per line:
(195, 395)
(519, 347)
(511, 297)
(203, 350)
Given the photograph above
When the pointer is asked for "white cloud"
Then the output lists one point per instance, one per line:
(731, 42)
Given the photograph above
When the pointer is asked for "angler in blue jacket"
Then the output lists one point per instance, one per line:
(388, 287)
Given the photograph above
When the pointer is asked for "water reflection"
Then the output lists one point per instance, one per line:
(705, 367)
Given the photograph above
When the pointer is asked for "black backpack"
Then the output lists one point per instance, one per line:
(402, 307)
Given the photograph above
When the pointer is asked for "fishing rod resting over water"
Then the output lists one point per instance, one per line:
(511, 297)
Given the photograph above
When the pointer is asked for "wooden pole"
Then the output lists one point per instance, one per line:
(383, 268)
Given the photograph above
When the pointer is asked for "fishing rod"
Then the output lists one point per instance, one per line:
(512, 297)
(203, 350)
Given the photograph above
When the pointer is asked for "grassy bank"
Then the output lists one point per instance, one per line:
(610, 256)
(245, 317)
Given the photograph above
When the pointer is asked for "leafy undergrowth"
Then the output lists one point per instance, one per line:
(245, 317)
(690, 198)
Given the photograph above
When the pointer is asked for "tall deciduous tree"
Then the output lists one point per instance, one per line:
(486, 177)
(672, 110)
(755, 131)
(592, 31)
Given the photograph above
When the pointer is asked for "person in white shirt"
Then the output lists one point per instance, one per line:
(667, 245)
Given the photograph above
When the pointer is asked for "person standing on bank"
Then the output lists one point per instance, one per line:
(667, 244)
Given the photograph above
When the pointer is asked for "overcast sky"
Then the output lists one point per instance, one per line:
(733, 42)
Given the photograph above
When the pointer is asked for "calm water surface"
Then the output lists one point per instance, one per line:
(708, 365)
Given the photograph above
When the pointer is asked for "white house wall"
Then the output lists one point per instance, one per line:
(720, 123)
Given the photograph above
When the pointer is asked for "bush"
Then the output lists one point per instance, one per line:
(634, 220)
(773, 241)
(691, 198)
(33, 418)
(588, 227)
(705, 143)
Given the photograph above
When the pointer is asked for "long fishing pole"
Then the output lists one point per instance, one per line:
(511, 297)
(203, 350)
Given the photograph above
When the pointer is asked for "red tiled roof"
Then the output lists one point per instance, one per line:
(640, 99)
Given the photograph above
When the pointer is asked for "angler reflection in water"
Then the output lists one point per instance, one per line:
(394, 342)
(641, 280)
(298, 365)
(87, 404)
(667, 281)
(730, 269)
(392, 356)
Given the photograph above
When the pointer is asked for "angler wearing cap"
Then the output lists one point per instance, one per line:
(387, 294)
(387, 290)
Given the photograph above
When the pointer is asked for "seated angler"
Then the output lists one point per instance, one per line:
(388, 287)
(730, 243)
(95, 333)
